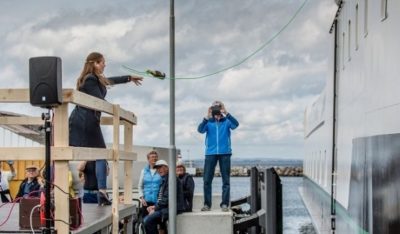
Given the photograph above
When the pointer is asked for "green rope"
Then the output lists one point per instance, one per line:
(147, 74)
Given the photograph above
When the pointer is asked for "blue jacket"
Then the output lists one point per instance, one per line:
(151, 184)
(218, 134)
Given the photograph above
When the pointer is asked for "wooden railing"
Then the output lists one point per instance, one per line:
(62, 153)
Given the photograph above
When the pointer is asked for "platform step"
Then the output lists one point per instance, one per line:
(214, 221)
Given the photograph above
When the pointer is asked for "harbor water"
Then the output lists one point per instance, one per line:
(295, 217)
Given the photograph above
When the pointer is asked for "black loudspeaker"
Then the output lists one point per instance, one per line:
(45, 81)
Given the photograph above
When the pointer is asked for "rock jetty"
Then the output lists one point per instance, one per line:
(245, 171)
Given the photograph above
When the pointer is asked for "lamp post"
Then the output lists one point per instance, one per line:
(172, 149)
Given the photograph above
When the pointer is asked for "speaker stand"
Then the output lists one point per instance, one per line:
(47, 128)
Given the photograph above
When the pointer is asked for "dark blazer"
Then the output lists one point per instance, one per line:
(162, 201)
(84, 124)
(35, 187)
(188, 190)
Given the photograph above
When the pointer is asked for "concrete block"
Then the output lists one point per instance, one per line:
(210, 222)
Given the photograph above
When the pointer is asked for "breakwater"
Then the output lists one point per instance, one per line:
(240, 171)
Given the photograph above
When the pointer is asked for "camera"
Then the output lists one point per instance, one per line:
(215, 110)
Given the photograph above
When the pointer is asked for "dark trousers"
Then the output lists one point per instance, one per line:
(90, 198)
(209, 170)
(151, 222)
(4, 196)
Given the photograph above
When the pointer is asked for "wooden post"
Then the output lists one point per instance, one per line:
(61, 200)
(128, 164)
(115, 184)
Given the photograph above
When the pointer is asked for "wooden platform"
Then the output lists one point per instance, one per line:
(95, 218)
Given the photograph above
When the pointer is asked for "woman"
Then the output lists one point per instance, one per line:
(188, 185)
(149, 183)
(84, 123)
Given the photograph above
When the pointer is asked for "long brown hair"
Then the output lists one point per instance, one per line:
(89, 68)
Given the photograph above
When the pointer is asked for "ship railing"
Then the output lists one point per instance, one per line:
(62, 153)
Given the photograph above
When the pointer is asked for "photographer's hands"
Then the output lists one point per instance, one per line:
(208, 116)
(223, 109)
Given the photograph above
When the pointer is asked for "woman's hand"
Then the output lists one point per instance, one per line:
(136, 79)
(144, 203)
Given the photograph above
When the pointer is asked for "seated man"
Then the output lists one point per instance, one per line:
(159, 212)
(30, 186)
(187, 185)
(6, 176)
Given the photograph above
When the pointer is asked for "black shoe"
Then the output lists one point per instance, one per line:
(102, 199)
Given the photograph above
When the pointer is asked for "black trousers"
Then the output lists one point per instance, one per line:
(3, 195)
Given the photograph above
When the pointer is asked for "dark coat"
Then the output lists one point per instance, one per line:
(162, 201)
(84, 124)
(35, 187)
(188, 190)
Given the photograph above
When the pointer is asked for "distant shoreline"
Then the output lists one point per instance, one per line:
(238, 171)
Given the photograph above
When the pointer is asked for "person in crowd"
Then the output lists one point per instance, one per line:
(90, 189)
(149, 183)
(217, 125)
(84, 123)
(81, 178)
(5, 177)
(158, 213)
(187, 185)
(30, 186)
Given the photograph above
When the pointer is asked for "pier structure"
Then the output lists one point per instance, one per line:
(62, 153)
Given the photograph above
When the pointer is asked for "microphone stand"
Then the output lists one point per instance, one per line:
(47, 128)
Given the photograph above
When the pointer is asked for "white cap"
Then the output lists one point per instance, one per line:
(160, 163)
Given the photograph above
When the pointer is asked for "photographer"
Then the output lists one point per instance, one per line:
(217, 126)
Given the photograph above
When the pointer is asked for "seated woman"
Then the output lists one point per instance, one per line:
(187, 184)
(149, 183)
(30, 186)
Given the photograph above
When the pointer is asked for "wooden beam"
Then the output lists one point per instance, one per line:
(115, 165)
(61, 199)
(14, 95)
(61, 153)
(128, 116)
(82, 153)
(105, 120)
(69, 96)
(21, 153)
(61, 169)
(22, 120)
(127, 156)
(128, 164)
(85, 100)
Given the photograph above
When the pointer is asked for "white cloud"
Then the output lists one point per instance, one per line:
(267, 93)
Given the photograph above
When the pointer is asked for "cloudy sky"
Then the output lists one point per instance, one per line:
(267, 94)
